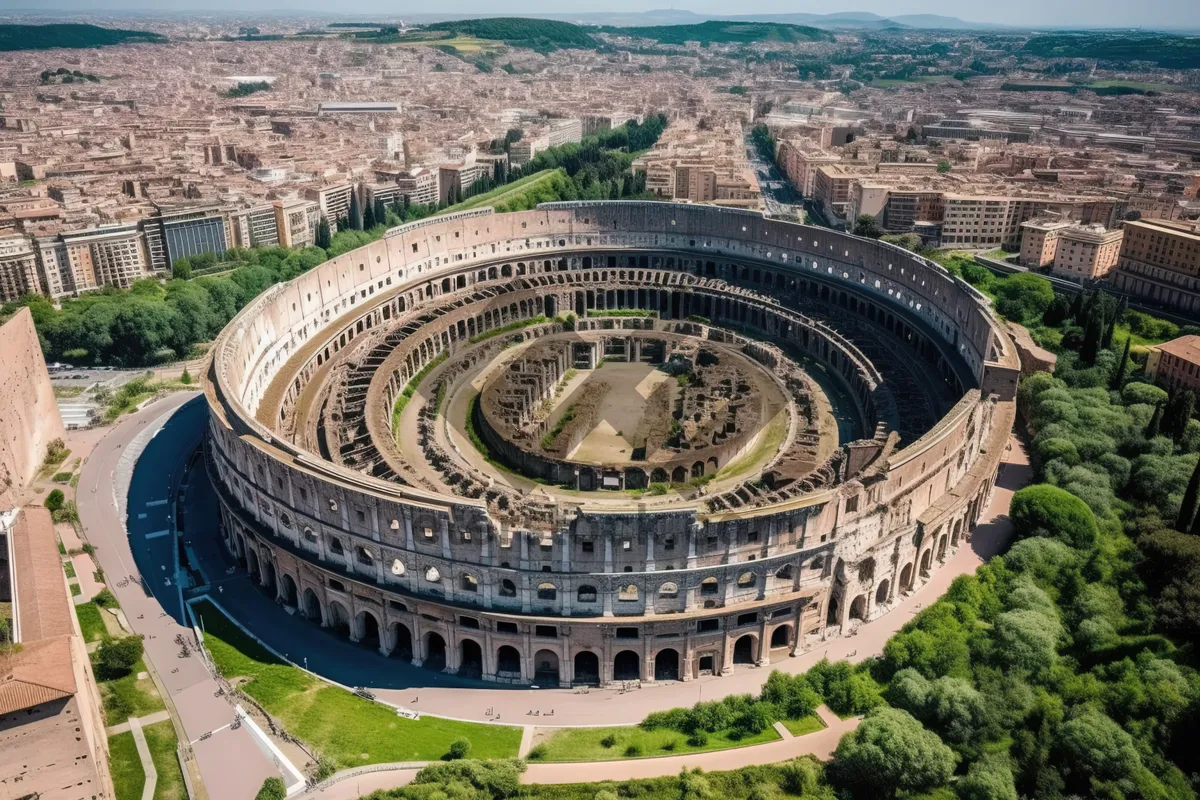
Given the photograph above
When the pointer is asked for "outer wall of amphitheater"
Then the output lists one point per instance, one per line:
(596, 595)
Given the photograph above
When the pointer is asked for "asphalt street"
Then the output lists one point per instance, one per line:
(231, 764)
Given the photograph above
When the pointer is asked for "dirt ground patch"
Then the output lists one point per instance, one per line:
(611, 438)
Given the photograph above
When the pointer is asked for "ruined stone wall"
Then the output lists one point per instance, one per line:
(29, 418)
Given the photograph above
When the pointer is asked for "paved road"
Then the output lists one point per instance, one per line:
(230, 763)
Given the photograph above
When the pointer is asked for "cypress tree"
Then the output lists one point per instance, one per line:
(1091, 339)
(1106, 342)
(1178, 413)
(324, 237)
(1155, 424)
(1076, 314)
(1119, 376)
(368, 217)
(356, 215)
(380, 212)
(1187, 509)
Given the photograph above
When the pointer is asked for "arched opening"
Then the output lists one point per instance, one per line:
(627, 666)
(941, 553)
(545, 668)
(709, 587)
(586, 594)
(781, 636)
(587, 668)
(368, 628)
(926, 562)
(311, 608)
(831, 616)
(658, 475)
(435, 652)
(471, 664)
(666, 665)
(784, 573)
(252, 564)
(401, 641)
(881, 594)
(508, 663)
(508, 588)
(745, 650)
(268, 574)
(906, 577)
(339, 620)
(858, 608)
(679, 475)
(289, 590)
(547, 591)
(747, 579)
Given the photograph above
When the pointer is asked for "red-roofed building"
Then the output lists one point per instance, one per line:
(1176, 364)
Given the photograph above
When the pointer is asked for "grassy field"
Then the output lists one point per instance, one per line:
(799, 727)
(160, 738)
(1145, 87)
(464, 44)
(585, 744)
(333, 721)
(127, 773)
(500, 193)
(91, 624)
(129, 697)
(892, 83)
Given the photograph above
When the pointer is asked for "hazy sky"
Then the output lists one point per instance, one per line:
(1115, 13)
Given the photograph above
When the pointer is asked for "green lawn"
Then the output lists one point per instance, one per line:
(333, 721)
(69, 568)
(584, 744)
(75, 590)
(129, 697)
(91, 624)
(127, 773)
(500, 192)
(160, 738)
(799, 727)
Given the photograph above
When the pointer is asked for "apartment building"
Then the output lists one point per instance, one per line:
(58, 278)
(420, 186)
(333, 201)
(522, 152)
(1175, 365)
(1086, 252)
(564, 131)
(255, 227)
(296, 222)
(831, 188)
(195, 231)
(1039, 241)
(799, 163)
(18, 269)
(457, 178)
(1160, 261)
(110, 255)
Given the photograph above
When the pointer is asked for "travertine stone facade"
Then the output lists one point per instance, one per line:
(580, 593)
(29, 418)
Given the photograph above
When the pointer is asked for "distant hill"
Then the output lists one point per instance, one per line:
(520, 31)
(1168, 52)
(724, 31)
(45, 37)
(841, 20)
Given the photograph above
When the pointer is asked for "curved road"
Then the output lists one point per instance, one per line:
(394, 681)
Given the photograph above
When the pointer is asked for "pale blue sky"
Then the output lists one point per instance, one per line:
(1093, 13)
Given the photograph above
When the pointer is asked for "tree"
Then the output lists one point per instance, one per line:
(889, 753)
(1187, 507)
(866, 225)
(186, 377)
(1118, 379)
(272, 789)
(459, 748)
(1171, 571)
(1024, 297)
(356, 215)
(380, 212)
(1045, 510)
(1154, 426)
(1093, 332)
(116, 657)
(54, 500)
(1179, 410)
(324, 236)
(1027, 640)
(944, 166)
(990, 778)
(1096, 749)
(181, 268)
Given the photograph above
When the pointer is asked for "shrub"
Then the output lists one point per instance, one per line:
(671, 745)
(55, 500)
(537, 752)
(1044, 510)
(609, 740)
(272, 789)
(499, 778)
(801, 775)
(459, 748)
(633, 751)
(698, 739)
(105, 599)
(326, 766)
(118, 705)
(116, 657)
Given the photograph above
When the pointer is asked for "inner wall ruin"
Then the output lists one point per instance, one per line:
(29, 418)
(352, 487)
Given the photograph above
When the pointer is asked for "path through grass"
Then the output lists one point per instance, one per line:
(127, 774)
(588, 744)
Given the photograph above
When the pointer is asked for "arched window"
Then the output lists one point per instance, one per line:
(432, 575)
(285, 520)
(709, 586)
(747, 579)
(335, 547)
(586, 594)
(309, 535)
(668, 590)
(628, 593)
(784, 572)
(508, 588)
(397, 567)
(547, 591)
(363, 556)
(817, 563)
(469, 584)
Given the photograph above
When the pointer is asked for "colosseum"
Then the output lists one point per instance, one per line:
(607, 441)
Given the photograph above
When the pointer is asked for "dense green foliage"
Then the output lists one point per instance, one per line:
(1169, 52)
(272, 789)
(536, 34)
(724, 32)
(247, 88)
(46, 37)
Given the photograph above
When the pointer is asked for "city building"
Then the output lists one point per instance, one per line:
(420, 186)
(333, 202)
(296, 222)
(522, 152)
(1039, 241)
(255, 227)
(1175, 365)
(1160, 261)
(18, 269)
(564, 131)
(1086, 252)
(110, 255)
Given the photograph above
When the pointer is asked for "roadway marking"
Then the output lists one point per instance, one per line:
(157, 534)
(156, 503)
(142, 516)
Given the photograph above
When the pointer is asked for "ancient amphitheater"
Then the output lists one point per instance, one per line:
(599, 442)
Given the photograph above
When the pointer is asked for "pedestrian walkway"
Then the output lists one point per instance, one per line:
(149, 719)
(143, 749)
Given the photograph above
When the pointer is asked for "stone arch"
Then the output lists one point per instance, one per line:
(747, 579)
(268, 576)
(435, 651)
(508, 588)
(545, 668)
(311, 606)
(710, 466)
(468, 583)
(547, 591)
(586, 594)
(698, 469)
(679, 475)
(659, 475)
(287, 586)
(926, 562)
(745, 649)
(906, 577)
(508, 662)
(858, 608)
(666, 665)
(628, 592)
(709, 587)
(339, 618)
(470, 663)
(781, 636)
(668, 590)
(252, 566)
(941, 551)
(881, 593)
(627, 666)
(366, 626)
(956, 531)
(784, 573)
(402, 643)
(587, 668)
